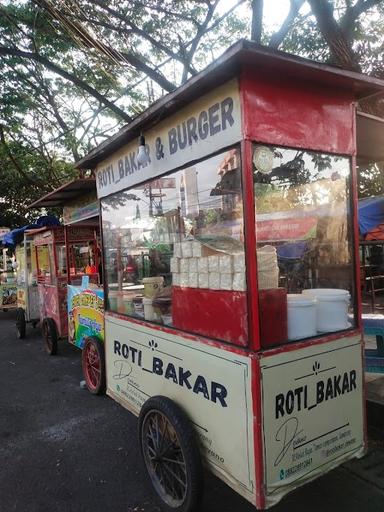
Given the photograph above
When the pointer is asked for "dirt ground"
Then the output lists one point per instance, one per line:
(62, 449)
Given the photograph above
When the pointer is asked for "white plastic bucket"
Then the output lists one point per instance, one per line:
(152, 285)
(301, 316)
(149, 312)
(332, 308)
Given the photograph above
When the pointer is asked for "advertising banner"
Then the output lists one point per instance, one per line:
(212, 385)
(208, 124)
(312, 412)
(8, 295)
(85, 314)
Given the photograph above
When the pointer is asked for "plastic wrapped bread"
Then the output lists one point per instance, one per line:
(186, 249)
(214, 280)
(226, 281)
(193, 280)
(213, 264)
(193, 265)
(175, 279)
(177, 250)
(239, 262)
(239, 283)
(196, 249)
(184, 279)
(175, 265)
(202, 266)
(184, 265)
(203, 280)
(226, 264)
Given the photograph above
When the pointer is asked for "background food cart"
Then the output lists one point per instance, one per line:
(27, 291)
(234, 370)
(61, 258)
(8, 295)
(78, 282)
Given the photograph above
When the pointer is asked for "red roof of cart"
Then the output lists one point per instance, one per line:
(65, 193)
(240, 55)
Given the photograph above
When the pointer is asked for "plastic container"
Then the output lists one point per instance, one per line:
(138, 307)
(149, 312)
(128, 304)
(167, 319)
(332, 308)
(112, 300)
(302, 316)
(267, 268)
(152, 285)
(162, 306)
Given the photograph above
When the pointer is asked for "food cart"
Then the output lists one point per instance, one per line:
(218, 361)
(27, 291)
(62, 258)
(80, 296)
(8, 290)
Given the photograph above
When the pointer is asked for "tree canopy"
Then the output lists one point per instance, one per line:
(74, 71)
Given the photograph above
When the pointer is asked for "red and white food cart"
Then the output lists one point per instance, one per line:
(62, 255)
(217, 360)
(80, 315)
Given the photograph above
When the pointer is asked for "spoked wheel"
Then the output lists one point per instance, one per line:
(171, 455)
(50, 336)
(93, 363)
(20, 323)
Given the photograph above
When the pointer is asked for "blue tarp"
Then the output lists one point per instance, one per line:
(370, 213)
(17, 235)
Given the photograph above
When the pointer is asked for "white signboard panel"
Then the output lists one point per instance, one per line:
(312, 412)
(201, 128)
(213, 386)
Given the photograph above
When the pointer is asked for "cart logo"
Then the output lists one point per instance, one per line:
(199, 384)
(307, 396)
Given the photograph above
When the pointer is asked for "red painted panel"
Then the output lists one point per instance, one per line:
(273, 316)
(53, 304)
(297, 114)
(220, 314)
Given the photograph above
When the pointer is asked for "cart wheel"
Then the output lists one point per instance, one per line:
(171, 455)
(20, 323)
(5, 310)
(93, 362)
(34, 324)
(50, 336)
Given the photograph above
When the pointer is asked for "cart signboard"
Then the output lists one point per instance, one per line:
(203, 127)
(213, 385)
(312, 412)
(85, 314)
(8, 295)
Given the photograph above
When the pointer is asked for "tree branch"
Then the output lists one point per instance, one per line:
(14, 161)
(68, 76)
(257, 20)
(77, 31)
(278, 37)
(352, 12)
(142, 33)
(341, 51)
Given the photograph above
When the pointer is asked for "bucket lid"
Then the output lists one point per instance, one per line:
(318, 292)
(328, 294)
(297, 299)
(158, 279)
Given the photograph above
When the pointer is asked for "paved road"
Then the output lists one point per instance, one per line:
(62, 449)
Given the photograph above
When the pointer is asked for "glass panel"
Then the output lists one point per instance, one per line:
(174, 251)
(61, 260)
(45, 259)
(304, 243)
(20, 265)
